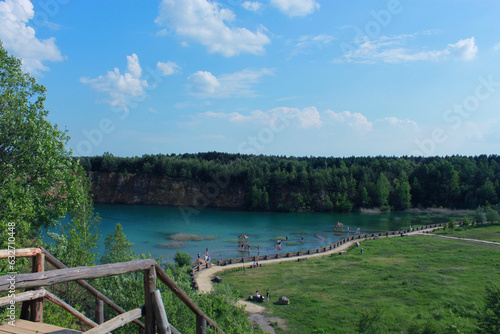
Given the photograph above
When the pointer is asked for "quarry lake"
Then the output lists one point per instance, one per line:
(162, 230)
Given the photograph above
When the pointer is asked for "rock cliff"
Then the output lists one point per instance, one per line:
(150, 189)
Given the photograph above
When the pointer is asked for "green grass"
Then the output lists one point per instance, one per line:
(488, 233)
(409, 281)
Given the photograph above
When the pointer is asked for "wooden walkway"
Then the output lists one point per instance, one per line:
(28, 327)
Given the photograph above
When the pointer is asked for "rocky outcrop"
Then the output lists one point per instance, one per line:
(150, 189)
(218, 193)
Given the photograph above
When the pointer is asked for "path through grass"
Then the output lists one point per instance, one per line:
(488, 233)
(396, 284)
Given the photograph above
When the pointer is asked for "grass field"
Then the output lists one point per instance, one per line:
(398, 285)
(489, 233)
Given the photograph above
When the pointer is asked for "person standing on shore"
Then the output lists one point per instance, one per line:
(267, 295)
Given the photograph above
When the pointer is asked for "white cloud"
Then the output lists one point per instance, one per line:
(389, 49)
(252, 6)
(304, 44)
(496, 47)
(400, 123)
(233, 117)
(354, 120)
(464, 49)
(295, 7)
(204, 22)
(205, 84)
(309, 118)
(168, 68)
(306, 118)
(121, 88)
(19, 38)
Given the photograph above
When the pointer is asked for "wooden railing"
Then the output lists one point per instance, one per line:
(152, 310)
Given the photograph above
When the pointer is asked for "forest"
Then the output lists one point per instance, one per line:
(327, 183)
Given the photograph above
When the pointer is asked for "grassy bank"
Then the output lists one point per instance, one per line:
(488, 233)
(398, 285)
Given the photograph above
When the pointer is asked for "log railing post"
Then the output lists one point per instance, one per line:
(149, 289)
(160, 314)
(99, 311)
(201, 325)
(36, 314)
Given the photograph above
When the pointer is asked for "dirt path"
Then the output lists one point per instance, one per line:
(256, 312)
(493, 243)
(204, 278)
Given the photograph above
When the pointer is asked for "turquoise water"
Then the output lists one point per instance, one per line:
(147, 227)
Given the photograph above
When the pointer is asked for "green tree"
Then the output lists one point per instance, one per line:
(117, 248)
(486, 193)
(489, 319)
(365, 198)
(182, 258)
(480, 215)
(451, 225)
(327, 204)
(383, 190)
(39, 181)
(492, 215)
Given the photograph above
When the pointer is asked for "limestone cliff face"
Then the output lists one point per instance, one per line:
(148, 189)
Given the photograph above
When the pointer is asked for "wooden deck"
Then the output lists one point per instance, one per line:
(28, 327)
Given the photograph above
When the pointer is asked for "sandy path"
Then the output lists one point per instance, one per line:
(204, 278)
(256, 312)
(466, 239)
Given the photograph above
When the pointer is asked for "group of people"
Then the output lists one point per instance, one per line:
(259, 297)
(207, 256)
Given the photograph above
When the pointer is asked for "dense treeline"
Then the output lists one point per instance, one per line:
(327, 183)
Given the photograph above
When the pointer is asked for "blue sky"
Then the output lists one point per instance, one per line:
(281, 77)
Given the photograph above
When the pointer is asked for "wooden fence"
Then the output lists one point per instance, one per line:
(155, 319)
(322, 249)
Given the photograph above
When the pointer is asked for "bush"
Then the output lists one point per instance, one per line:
(489, 320)
(182, 258)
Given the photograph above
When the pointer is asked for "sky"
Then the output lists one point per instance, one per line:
(273, 77)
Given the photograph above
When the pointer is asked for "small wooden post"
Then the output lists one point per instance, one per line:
(160, 314)
(36, 314)
(201, 325)
(149, 289)
(99, 311)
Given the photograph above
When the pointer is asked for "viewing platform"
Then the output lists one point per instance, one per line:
(34, 285)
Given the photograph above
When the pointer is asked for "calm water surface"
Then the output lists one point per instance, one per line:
(150, 228)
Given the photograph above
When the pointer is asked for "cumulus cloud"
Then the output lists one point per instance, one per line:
(310, 117)
(464, 49)
(390, 50)
(20, 40)
(121, 88)
(205, 84)
(400, 123)
(252, 6)
(295, 7)
(306, 118)
(355, 120)
(205, 22)
(168, 68)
